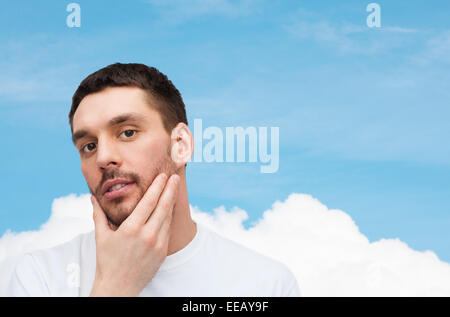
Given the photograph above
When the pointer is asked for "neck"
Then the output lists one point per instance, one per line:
(182, 228)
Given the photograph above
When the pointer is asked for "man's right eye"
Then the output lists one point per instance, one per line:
(88, 147)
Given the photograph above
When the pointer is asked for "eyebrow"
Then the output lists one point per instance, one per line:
(123, 118)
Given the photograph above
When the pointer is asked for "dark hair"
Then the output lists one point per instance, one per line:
(170, 105)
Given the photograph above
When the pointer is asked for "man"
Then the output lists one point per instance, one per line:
(129, 125)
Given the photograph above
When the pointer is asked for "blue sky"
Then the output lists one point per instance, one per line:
(363, 113)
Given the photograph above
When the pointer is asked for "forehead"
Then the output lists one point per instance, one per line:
(97, 109)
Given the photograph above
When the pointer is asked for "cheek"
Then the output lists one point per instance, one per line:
(151, 151)
(88, 176)
(148, 158)
(84, 170)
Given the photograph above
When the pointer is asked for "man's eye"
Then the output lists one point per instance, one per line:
(128, 133)
(88, 147)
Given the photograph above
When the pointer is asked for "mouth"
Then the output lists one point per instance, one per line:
(118, 190)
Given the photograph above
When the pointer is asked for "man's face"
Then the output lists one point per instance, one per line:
(120, 136)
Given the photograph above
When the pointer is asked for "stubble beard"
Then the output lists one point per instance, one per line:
(118, 214)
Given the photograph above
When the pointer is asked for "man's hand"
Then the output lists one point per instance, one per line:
(128, 258)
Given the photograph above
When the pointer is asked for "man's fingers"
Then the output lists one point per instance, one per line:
(164, 231)
(148, 202)
(100, 220)
(165, 205)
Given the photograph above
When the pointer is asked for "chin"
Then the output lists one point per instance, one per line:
(120, 211)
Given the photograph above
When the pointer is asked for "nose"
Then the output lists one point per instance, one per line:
(107, 154)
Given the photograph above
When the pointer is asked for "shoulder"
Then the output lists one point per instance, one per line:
(63, 251)
(67, 251)
(237, 251)
(59, 257)
(244, 262)
(35, 271)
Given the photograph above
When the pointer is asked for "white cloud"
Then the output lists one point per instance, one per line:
(323, 247)
(31, 72)
(437, 49)
(398, 29)
(346, 38)
(179, 11)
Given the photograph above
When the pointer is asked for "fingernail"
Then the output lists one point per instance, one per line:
(163, 176)
(176, 179)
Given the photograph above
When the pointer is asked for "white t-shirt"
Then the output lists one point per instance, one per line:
(210, 265)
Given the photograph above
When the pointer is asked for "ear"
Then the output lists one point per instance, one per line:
(182, 144)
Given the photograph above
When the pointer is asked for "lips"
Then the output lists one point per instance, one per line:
(109, 184)
(121, 191)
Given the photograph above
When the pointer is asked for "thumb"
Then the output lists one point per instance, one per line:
(100, 220)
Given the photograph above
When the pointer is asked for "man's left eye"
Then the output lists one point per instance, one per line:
(128, 133)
